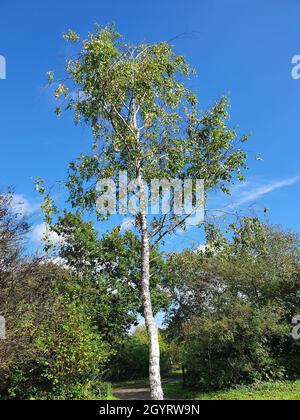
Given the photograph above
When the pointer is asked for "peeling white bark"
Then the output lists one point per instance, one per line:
(156, 391)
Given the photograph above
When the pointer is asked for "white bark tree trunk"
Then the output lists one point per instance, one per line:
(154, 351)
(156, 391)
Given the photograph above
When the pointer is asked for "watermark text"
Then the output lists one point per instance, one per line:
(296, 329)
(296, 68)
(2, 67)
(158, 197)
(2, 328)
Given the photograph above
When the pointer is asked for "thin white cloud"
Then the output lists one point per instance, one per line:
(253, 194)
(22, 206)
(126, 225)
(39, 232)
(201, 248)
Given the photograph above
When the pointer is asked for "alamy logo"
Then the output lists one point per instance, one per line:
(296, 329)
(2, 68)
(159, 197)
(296, 68)
(2, 328)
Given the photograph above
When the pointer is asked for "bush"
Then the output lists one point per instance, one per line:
(233, 347)
(53, 350)
(233, 306)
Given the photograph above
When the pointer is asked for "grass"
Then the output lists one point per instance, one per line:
(111, 398)
(267, 391)
(130, 384)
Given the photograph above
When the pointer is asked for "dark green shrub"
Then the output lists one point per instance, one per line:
(53, 350)
(222, 350)
(132, 360)
(233, 306)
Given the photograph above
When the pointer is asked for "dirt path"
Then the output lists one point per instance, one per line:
(138, 391)
(134, 393)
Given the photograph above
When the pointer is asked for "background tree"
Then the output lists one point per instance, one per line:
(13, 228)
(233, 306)
(53, 347)
(132, 360)
(108, 271)
(145, 121)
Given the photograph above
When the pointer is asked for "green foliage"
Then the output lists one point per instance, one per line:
(234, 305)
(144, 119)
(53, 347)
(132, 361)
(109, 273)
(79, 246)
(52, 350)
(70, 350)
(233, 347)
(268, 391)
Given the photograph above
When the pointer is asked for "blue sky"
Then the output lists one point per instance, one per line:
(243, 48)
